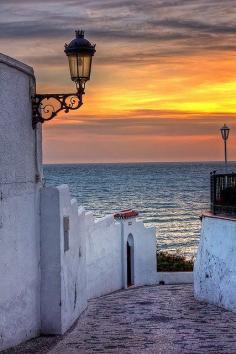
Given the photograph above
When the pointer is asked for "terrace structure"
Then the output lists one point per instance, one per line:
(215, 265)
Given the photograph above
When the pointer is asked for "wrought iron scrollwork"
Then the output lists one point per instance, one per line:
(46, 107)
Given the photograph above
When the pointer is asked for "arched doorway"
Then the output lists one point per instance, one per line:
(130, 260)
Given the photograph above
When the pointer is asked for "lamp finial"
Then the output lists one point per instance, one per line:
(79, 34)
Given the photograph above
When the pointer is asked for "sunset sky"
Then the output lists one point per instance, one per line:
(163, 78)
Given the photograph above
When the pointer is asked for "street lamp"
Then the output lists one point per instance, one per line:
(80, 53)
(225, 134)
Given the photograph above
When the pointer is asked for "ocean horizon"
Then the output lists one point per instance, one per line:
(169, 196)
(218, 162)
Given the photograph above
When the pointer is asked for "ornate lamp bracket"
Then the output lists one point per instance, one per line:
(46, 106)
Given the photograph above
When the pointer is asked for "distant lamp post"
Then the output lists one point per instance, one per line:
(80, 53)
(225, 134)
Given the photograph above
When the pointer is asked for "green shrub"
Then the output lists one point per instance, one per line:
(168, 262)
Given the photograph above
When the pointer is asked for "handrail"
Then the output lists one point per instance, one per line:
(223, 193)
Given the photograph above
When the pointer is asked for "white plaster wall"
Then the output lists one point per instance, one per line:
(144, 252)
(73, 261)
(174, 278)
(215, 265)
(103, 255)
(19, 206)
(63, 282)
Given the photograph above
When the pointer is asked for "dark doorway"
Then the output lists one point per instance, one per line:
(130, 260)
(129, 266)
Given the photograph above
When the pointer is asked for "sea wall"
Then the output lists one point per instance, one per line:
(215, 265)
(20, 169)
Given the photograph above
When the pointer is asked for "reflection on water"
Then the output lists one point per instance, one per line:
(169, 196)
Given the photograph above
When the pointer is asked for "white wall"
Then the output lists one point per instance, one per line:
(106, 248)
(63, 282)
(144, 252)
(19, 206)
(174, 278)
(73, 261)
(95, 262)
(215, 265)
(103, 255)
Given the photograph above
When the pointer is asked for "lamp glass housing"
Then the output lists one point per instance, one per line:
(80, 53)
(225, 132)
(80, 66)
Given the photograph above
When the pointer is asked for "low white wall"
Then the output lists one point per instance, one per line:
(106, 249)
(20, 161)
(63, 280)
(174, 278)
(144, 252)
(95, 263)
(215, 265)
(103, 255)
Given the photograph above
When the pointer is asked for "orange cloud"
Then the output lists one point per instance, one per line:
(163, 79)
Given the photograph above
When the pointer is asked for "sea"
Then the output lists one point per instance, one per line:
(168, 196)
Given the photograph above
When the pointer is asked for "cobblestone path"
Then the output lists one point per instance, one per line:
(156, 319)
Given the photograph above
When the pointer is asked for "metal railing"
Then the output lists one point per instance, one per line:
(223, 193)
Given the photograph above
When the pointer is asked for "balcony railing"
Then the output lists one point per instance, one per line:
(223, 193)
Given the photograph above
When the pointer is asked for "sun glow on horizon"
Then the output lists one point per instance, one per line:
(163, 78)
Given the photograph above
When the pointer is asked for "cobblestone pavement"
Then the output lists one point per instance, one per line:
(156, 319)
